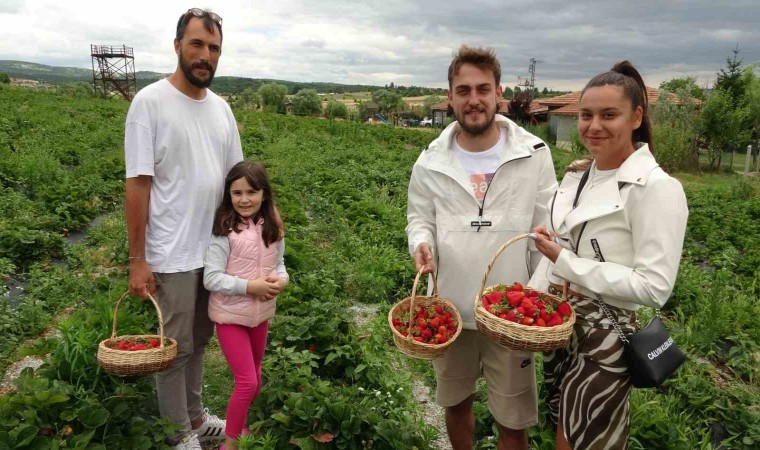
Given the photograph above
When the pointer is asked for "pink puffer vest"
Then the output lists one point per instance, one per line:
(249, 259)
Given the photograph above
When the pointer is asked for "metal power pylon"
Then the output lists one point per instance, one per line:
(113, 70)
(532, 71)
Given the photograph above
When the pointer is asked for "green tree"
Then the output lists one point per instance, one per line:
(685, 83)
(752, 94)
(508, 93)
(335, 109)
(722, 124)
(388, 101)
(429, 102)
(730, 77)
(676, 129)
(307, 103)
(272, 97)
(4, 78)
(248, 99)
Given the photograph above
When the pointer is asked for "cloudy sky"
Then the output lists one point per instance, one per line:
(408, 42)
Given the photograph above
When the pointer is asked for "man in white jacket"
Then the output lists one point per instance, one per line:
(480, 183)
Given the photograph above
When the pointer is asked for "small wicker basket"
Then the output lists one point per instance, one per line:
(409, 346)
(135, 363)
(514, 335)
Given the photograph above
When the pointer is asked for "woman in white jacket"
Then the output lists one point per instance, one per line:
(615, 231)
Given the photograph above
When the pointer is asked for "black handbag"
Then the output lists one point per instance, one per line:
(651, 353)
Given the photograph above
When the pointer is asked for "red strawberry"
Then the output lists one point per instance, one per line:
(521, 310)
(526, 303)
(564, 309)
(540, 322)
(555, 321)
(539, 304)
(517, 287)
(442, 329)
(511, 316)
(435, 322)
(418, 339)
(426, 333)
(533, 294)
(312, 348)
(514, 298)
(503, 316)
(443, 339)
(154, 343)
(139, 347)
(527, 321)
(439, 309)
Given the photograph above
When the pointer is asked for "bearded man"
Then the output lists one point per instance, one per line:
(483, 181)
(180, 141)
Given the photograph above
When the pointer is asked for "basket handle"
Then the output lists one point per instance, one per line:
(414, 293)
(158, 310)
(493, 262)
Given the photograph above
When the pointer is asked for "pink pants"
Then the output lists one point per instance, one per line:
(243, 347)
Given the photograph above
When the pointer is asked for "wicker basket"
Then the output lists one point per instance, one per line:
(409, 346)
(135, 363)
(514, 335)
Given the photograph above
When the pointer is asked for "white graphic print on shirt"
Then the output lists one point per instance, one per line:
(480, 166)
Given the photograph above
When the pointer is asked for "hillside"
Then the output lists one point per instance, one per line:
(221, 84)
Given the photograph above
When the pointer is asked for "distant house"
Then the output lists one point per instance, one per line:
(288, 107)
(563, 112)
(440, 113)
(537, 112)
(371, 108)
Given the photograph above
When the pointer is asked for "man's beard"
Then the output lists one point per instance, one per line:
(187, 69)
(476, 130)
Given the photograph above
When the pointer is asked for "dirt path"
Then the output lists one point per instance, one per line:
(433, 414)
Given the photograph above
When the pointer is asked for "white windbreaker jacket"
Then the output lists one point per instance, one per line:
(442, 208)
(637, 229)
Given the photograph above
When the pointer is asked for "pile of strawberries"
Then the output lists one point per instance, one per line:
(431, 325)
(134, 345)
(524, 306)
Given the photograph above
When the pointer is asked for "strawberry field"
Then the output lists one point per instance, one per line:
(330, 381)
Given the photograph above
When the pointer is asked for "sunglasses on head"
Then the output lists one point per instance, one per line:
(197, 12)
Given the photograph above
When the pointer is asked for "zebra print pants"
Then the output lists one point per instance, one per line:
(587, 383)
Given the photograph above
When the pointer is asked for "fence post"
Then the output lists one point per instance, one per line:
(747, 159)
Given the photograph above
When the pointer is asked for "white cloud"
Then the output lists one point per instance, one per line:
(400, 41)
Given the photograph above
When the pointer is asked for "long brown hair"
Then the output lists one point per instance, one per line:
(623, 74)
(227, 219)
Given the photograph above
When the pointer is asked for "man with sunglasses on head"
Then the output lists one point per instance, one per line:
(180, 141)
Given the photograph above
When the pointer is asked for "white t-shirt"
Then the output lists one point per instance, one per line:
(187, 146)
(481, 166)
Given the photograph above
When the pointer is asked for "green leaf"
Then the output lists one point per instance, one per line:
(68, 415)
(24, 434)
(80, 441)
(92, 416)
(281, 417)
(8, 422)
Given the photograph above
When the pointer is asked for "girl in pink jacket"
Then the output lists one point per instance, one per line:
(244, 271)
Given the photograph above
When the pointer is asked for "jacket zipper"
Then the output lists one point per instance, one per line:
(482, 205)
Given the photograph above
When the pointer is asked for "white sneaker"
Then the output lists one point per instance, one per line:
(189, 442)
(212, 428)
